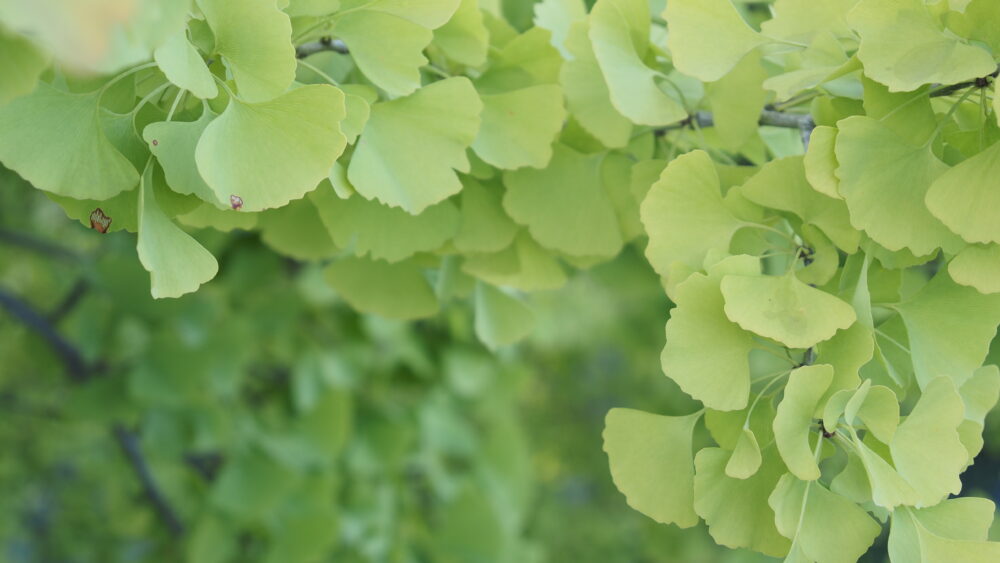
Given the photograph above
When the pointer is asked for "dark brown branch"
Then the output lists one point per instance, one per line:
(76, 366)
(801, 121)
(324, 44)
(129, 444)
(981, 82)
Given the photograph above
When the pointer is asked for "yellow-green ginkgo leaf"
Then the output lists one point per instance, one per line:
(78, 161)
(978, 266)
(950, 328)
(270, 153)
(587, 95)
(821, 161)
(485, 227)
(410, 148)
(823, 526)
(397, 291)
(183, 66)
(708, 37)
(702, 341)
(904, 46)
(651, 463)
(955, 530)
(888, 488)
(926, 448)
(980, 394)
(800, 21)
(559, 17)
(518, 127)
(564, 205)
(524, 265)
(20, 65)
(884, 179)
(785, 309)
(746, 459)
(684, 214)
(793, 421)
(176, 263)
(619, 32)
(501, 319)
(296, 230)
(173, 144)
(736, 510)
(464, 39)
(254, 38)
(387, 38)
(966, 198)
(736, 100)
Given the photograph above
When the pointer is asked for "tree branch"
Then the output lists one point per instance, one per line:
(76, 366)
(70, 301)
(129, 444)
(801, 121)
(37, 245)
(324, 44)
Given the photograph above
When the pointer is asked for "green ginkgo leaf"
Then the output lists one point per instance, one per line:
(792, 423)
(978, 266)
(78, 161)
(410, 148)
(559, 17)
(966, 197)
(879, 411)
(980, 394)
(176, 263)
(270, 153)
(736, 510)
(397, 291)
(926, 448)
(518, 127)
(501, 319)
(485, 227)
(587, 95)
(888, 487)
(173, 144)
(708, 37)
(884, 178)
(955, 530)
(821, 161)
(904, 46)
(262, 62)
(651, 463)
(736, 100)
(21, 65)
(619, 33)
(785, 309)
(183, 66)
(745, 460)
(702, 341)
(524, 265)
(296, 230)
(564, 205)
(950, 328)
(823, 526)
(684, 214)
(464, 39)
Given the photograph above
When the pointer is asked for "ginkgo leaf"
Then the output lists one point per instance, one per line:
(518, 127)
(708, 37)
(955, 530)
(209, 216)
(270, 153)
(745, 460)
(965, 198)
(980, 394)
(904, 46)
(176, 263)
(821, 161)
(524, 265)
(526, 60)
(792, 423)
(619, 33)
(386, 233)
(484, 226)
(785, 309)
(736, 100)
(587, 95)
(262, 62)
(564, 205)
(823, 526)
(800, 21)
(410, 148)
(977, 266)
(21, 65)
(926, 448)
(702, 341)
(464, 39)
(392, 65)
(397, 291)
(884, 179)
(296, 230)
(950, 328)
(183, 66)
(888, 487)
(651, 463)
(736, 510)
(684, 214)
(78, 161)
(173, 144)
(559, 17)
(879, 411)
(501, 319)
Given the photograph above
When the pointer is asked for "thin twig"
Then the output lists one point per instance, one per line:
(37, 245)
(324, 44)
(76, 366)
(70, 301)
(129, 444)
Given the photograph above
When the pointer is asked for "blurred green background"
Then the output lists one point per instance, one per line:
(261, 419)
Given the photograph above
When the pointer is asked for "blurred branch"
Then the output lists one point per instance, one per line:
(324, 44)
(70, 301)
(801, 121)
(129, 444)
(76, 367)
(38, 245)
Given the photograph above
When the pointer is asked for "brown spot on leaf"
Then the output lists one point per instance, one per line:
(99, 221)
(155, 142)
(236, 202)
